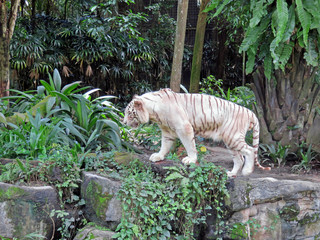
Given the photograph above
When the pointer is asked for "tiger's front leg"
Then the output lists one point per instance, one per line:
(186, 135)
(167, 141)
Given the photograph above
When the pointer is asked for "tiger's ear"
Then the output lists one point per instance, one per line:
(138, 105)
(142, 112)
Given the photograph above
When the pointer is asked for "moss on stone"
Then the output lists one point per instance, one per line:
(98, 199)
(11, 193)
(309, 219)
(290, 212)
(248, 190)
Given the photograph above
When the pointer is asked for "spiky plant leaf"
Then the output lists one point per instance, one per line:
(57, 80)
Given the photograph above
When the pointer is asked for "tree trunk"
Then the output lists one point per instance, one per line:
(288, 104)
(198, 48)
(7, 24)
(182, 13)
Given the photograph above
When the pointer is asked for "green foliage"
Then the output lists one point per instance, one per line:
(308, 158)
(97, 43)
(57, 114)
(148, 136)
(277, 153)
(274, 28)
(240, 230)
(170, 207)
(241, 95)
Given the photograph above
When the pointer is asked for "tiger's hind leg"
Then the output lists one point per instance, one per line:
(238, 162)
(246, 153)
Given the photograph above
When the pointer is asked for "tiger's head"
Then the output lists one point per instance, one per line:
(136, 113)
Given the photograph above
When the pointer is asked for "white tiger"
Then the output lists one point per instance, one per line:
(186, 115)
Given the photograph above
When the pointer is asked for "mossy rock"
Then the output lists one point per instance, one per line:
(26, 210)
(102, 206)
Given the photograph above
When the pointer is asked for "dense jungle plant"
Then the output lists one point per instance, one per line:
(281, 42)
(277, 153)
(101, 46)
(72, 116)
(171, 206)
(309, 158)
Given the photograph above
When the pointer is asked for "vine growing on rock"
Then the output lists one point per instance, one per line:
(171, 206)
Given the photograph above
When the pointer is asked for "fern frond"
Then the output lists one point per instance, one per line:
(312, 55)
(212, 5)
(290, 25)
(259, 12)
(221, 7)
(282, 13)
(253, 34)
(285, 51)
(251, 58)
(305, 20)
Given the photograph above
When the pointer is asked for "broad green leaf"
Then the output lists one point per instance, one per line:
(50, 103)
(67, 89)
(87, 94)
(57, 80)
(67, 100)
(73, 130)
(3, 118)
(47, 86)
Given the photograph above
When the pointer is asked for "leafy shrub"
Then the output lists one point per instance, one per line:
(241, 95)
(66, 114)
(170, 207)
(276, 153)
(307, 158)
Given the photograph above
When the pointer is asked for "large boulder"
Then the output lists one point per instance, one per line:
(269, 208)
(102, 205)
(26, 210)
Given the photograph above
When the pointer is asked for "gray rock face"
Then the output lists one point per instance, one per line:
(90, 232)
(276, 209)
(26, 210)
(102, 205)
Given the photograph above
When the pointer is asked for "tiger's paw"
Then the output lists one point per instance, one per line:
(231, 174)
(189, 160)
(155, 157)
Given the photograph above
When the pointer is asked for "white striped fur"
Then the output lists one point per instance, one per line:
(186, 115)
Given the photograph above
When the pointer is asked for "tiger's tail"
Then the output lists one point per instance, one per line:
(255, 143)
